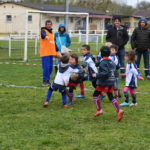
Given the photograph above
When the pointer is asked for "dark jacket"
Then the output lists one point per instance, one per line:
(106, 73)
(140, 39)
(118, 37)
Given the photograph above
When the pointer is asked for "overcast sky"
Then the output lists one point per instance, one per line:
(134, 2)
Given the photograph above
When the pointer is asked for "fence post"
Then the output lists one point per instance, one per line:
(10, 46)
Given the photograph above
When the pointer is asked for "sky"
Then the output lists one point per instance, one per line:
(134, 2)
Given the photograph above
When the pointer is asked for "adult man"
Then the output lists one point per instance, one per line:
(47, 51)
(118, 35)
(140, 41)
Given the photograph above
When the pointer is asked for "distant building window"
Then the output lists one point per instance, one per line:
(91, 20)
(8, 18)
(29, 18)
(57, 19)
(71, 19)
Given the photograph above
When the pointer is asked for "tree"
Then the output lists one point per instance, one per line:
(143, 5)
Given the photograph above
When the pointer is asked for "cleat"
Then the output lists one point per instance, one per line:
(80, 96)
(98, 113)
(120, 115)
(133, 104)
(66, 106)
(124, 104)
(45, 104)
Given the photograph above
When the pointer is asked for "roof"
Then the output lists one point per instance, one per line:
(48, 7)
(142, 13)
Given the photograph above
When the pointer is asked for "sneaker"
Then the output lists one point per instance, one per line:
(124, 104)
(148, 77)
(46, 83)
(66, 106)
(120, 114)
(133, 104)
(98, 113)
(70, 103)
(80, 96)
(45, 104)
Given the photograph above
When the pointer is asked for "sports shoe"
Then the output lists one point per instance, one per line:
(45, 104)
(70, 103)
(98, 113)
(148, 77)
(120, 114)
(124, 104)
(46, 83)
(80, 96)
(133, 104)
(66, 106)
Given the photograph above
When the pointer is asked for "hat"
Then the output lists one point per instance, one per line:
(143, 19)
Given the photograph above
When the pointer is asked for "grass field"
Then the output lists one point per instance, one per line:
(26, 125)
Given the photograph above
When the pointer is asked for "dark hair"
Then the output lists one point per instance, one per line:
(105, 51)
(75, 56)
(114, 47)
(65, 59)
(117, 18)
(87, 47)
(48, 21)
(131, 55)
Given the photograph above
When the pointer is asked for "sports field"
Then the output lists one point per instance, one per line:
(26, 125)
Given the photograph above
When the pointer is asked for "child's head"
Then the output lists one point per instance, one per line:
(65, 59)
(73, 60)
(109, 44)
(130, 56)
(105, 51)
(113, 49)
(85, 49)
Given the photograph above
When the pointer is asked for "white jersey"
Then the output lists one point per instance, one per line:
(63, 78)
(91, 67)
(114, 58)
(131, 75)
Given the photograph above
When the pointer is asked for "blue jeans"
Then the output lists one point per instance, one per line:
(47, 66)
(146, 60)
(121, 54)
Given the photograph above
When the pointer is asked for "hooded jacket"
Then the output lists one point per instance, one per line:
(62, 38)
(140, 38)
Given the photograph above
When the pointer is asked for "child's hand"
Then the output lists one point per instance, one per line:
(140, 78)
(47, 38)
(94, 75)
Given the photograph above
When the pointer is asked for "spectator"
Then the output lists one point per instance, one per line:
(140, 41)
(61, 39)
(118, 35)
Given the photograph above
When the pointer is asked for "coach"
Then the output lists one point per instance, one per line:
(47, 51)
(118, 35)
(140, 41)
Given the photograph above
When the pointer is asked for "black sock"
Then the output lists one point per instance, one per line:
(133, 98)
(126, 97)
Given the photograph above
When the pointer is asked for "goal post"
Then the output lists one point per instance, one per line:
(51, 12)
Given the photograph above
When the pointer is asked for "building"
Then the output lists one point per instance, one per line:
(12, 17)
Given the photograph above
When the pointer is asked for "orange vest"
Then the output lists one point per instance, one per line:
(47, 47)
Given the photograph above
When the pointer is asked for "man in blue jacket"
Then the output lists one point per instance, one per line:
(61, 39)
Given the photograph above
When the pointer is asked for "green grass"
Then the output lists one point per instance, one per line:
(26, 125)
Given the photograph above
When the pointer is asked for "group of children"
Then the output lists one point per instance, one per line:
(102, 72)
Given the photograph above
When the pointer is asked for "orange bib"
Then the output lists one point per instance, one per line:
(47, 47)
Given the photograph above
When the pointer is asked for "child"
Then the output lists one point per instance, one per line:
(89, 64)
(61, 81)
(105, 82)
(114, 58)
(74, 83)
(131, 79)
